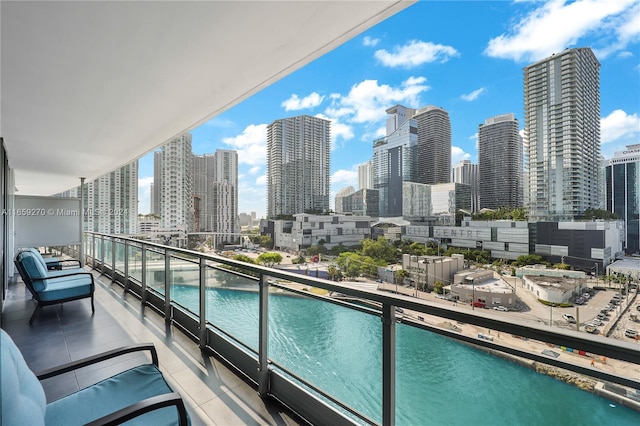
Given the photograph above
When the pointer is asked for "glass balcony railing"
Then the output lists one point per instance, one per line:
(342, 354)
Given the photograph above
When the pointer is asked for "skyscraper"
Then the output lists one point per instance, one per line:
(394, 159)
(173, 181)
(298, 165)
(224, 202)
(365, 178)
(467, 173)
(500, 162)
(434, 145)
(111, 201)
(622, 178)
(562, 134)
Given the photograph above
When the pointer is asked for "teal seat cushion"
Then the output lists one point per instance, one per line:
(23, 399)
(113, 394)
(65, 288)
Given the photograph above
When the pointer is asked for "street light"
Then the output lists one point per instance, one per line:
(551, 315)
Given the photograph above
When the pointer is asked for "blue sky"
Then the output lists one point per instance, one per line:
(464, 56)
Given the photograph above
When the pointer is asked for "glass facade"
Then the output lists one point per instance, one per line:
(623, 193)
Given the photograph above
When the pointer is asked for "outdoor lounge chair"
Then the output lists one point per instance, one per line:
(138, 396)
(52, 287)
(55, 263)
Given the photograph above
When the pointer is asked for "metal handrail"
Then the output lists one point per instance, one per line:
(612, 349)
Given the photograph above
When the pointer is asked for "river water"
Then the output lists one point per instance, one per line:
(438, 381)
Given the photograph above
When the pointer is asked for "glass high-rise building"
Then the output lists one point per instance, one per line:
(500, 162)
(622, 176)
(466, 172)
(395, 159)
(298, 166)
(562, 134)
(434, 145)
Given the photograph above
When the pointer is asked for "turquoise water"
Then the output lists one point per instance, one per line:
(438, 381)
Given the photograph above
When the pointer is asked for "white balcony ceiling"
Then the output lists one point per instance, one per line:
(89, 86)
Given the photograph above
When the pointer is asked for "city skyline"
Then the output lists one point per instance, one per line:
(422, 56)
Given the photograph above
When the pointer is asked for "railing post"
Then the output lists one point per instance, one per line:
(102, 244)
(143, 273)
(126, 266)
(388, 365)
(203, 303)
(113, 259)
(263, 359)
(93, 250)
(167, 285)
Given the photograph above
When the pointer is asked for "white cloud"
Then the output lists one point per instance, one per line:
(251, 145)
(261, 180)
(368, 100)
(294, 103)
(415, 53)
(458, 154)
(370, 41)
(559, 24)
(619, 125)
(473, 95)
(254, 170)
(144, 194)
(345, 177)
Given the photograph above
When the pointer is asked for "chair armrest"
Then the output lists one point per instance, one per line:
(70, 274)
(142, 407)
(74, 365)
(60, 261)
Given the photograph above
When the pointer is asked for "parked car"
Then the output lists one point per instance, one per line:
(602, 316)
(479, 304)
(569, 318)
(630, 333)
(638, 308)
(501, 308)
(596, 322)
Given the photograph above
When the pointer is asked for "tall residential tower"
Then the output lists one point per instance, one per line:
(298, 165)
(173, 183)
(434, 145)
(500, 162)
(562, 134)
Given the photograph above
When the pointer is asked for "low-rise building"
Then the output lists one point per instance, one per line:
(307, 230)
(481, 288)
(424, 271)
(554, 289)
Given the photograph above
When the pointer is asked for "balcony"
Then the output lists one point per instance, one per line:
(226, 356)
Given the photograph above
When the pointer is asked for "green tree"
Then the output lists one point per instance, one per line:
(591, 214)
(380, 249)
(401, 274)
(561, 266)
(530, 259)
(269, 259)
(333, 272)
(438, 287)
(243, 258)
